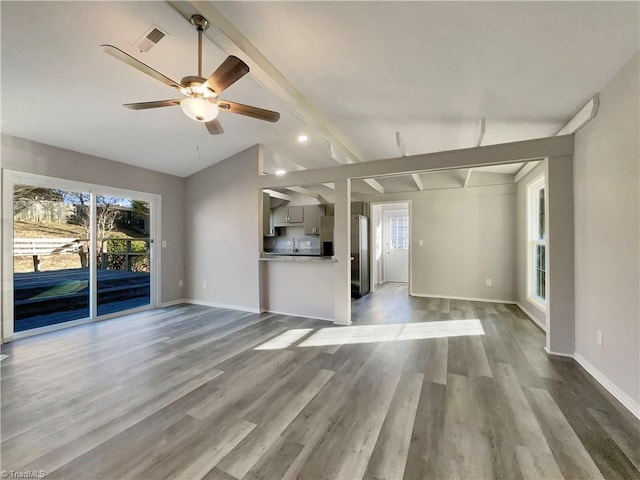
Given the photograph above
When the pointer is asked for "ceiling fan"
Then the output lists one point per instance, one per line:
(201, 102)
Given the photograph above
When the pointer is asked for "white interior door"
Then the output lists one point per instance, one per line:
(396, 248)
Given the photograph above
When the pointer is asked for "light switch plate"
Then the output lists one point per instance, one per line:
(421, 243)
(164, 244)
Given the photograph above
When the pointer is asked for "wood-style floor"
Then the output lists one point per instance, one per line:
(191, 392)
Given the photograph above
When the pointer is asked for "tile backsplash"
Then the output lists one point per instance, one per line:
(284, 242)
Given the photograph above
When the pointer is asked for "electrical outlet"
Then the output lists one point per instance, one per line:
(289, 243)
(180, 283)
(164, 244)
(421, 243)
(308, 243)
(204, 285)
(599, 338)
(489, 282)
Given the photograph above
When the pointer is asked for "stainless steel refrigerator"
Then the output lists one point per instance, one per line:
(359, 256)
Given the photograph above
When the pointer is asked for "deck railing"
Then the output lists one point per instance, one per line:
(113, 253)
(128, 254)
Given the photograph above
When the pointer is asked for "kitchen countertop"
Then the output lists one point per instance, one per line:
(295, 257)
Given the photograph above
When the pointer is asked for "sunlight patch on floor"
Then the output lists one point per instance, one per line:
(375, 333)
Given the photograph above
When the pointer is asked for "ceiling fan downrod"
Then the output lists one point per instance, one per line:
(201, 24)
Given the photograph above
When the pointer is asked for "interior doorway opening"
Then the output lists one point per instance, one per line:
(390, 240)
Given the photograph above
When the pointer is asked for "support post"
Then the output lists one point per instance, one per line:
(559, 258)
(342, 251)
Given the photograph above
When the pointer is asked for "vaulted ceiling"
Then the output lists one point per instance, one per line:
(359, 70)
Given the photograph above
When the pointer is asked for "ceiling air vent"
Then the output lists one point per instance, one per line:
(150, 38)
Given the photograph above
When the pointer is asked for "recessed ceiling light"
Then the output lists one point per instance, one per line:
(280, 172)
(302, 138)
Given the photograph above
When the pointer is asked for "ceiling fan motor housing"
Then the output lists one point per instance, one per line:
(196, 86)
(201, 23)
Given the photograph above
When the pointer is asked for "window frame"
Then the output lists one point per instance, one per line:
(535, 240)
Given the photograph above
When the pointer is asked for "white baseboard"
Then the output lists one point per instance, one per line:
(222, 305)
(171, 303)
(300, 315)
(471, 299)
(532, 317)
(558, 354)
(629, 403)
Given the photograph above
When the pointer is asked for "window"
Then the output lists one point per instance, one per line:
(537, 244)
(399, 232)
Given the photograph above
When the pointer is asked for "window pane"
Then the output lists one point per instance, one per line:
(399, 230)
(50, 252)
(541, 214)
(124, 249)
(540, 273)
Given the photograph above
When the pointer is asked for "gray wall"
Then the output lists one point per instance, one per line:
(298, 288)
(469, 236)
(27, 156)
(607, 256)
(521, 248)
(222, 244)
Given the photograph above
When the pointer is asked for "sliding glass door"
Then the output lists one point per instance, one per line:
(78, 252)
(50, 266)
(123, 251)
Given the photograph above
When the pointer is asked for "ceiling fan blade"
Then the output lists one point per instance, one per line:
(214, 127)
(137, 64)
(249, 111)
(228, 73)
(156, 104)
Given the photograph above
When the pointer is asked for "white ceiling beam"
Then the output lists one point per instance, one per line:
(513, 152)
(400, 143)
(584, 116)
(306, 192)
(374, 184)
(483, 127)
(280, 195)
(226, 36)
(418, 181)
(403, 152)
(341, 158)
(467, 178)
(526, 168)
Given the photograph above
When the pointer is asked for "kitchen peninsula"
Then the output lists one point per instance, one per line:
(296, 264)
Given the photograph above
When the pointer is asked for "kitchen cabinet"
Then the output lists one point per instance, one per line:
(268, 228)
(280, 216)
(285, 216)
(296, 214)
(312, 214)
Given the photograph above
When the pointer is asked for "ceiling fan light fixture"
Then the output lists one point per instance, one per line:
(199, 109)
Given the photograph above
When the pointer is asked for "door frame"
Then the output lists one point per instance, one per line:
(374, 244)
(13, 177)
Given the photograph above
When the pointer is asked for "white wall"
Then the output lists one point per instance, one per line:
(222, 242)
(469, 236)
(607, 238)
(27, 156)
(521, 247)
